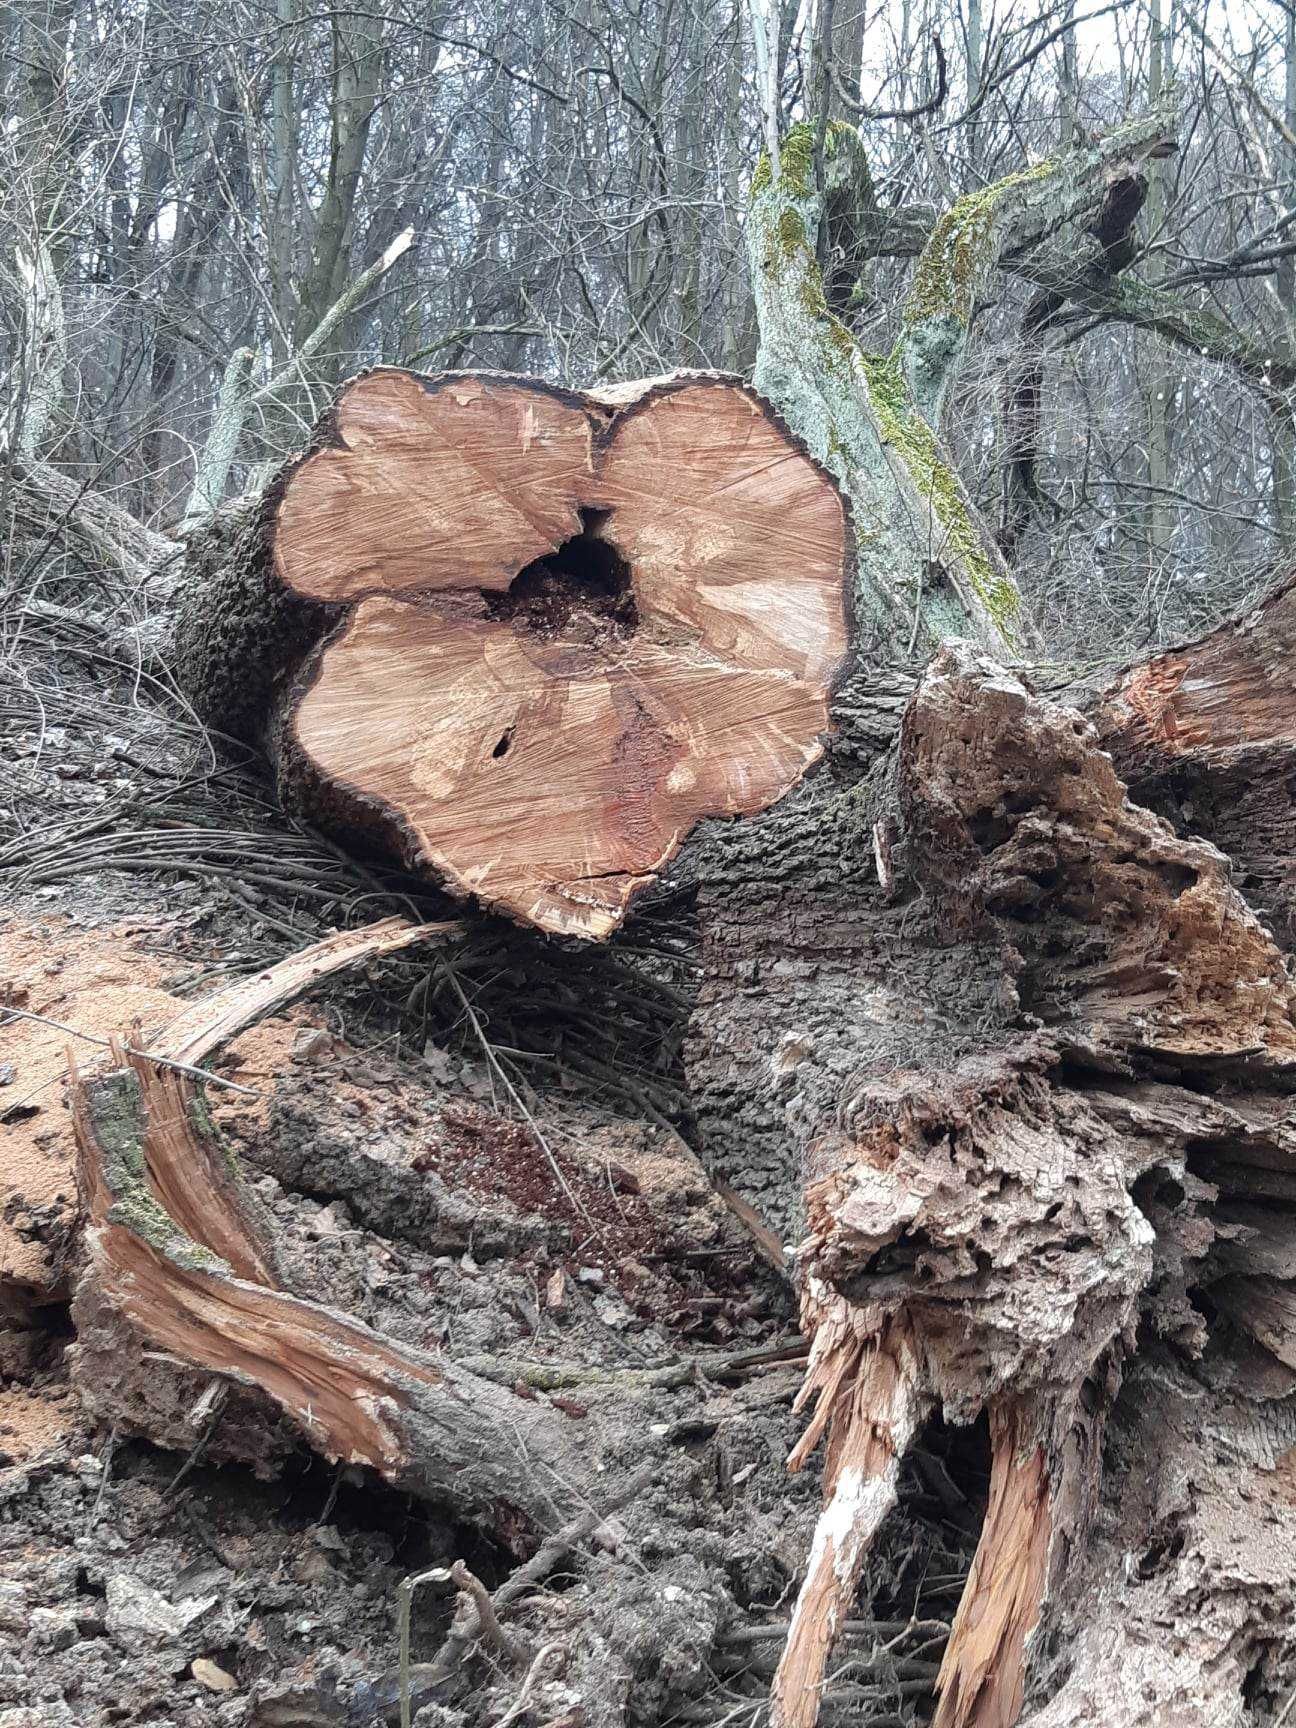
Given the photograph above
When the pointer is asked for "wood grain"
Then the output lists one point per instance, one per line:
(550, 758)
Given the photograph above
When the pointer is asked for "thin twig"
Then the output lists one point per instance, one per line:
(107, 1044)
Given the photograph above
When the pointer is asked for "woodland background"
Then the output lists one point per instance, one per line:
(210, 215)
(202, 183)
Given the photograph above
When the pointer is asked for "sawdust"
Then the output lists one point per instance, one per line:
(99, 982)
(33, 1424)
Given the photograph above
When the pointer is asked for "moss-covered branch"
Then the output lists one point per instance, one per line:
(1005, 225)
(1195, 329)
(927, 568)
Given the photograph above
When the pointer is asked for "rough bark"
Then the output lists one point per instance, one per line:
(528, 638)
(1012, 1060)
(1026, 1113)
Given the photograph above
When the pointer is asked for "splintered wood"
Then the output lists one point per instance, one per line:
(180, 1260)
(869, 1402)
(1021, 1207)
(982, 1677)
(576, 628)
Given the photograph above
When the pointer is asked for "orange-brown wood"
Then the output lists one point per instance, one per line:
(545, 744)
(1231, 687)
(187, 1173)
(177, 1250)
(982, 1677)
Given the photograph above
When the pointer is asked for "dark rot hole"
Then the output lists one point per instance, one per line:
(581, 592)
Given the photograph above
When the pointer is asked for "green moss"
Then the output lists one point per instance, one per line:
(784, 218)
(912, 439)
(116, 1110)
(796, 159)
(839, 132)
(796, 164)
(791, 232)
(946, 279)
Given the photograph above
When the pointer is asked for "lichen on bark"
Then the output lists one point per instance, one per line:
(925, 567)
(116, 1108)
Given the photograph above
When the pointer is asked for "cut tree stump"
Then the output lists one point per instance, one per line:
(526, 638)
(1206, 735)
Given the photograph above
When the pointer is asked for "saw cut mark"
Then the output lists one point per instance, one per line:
(642, 630)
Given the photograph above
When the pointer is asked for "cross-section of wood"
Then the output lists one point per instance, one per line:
(1227, 689)
(528, 638)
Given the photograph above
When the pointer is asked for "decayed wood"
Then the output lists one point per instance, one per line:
(189, 1176)
(529, 638)
(178, 1260)
(1015, 1073)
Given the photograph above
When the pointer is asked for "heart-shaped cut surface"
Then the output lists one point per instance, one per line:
(577, 625)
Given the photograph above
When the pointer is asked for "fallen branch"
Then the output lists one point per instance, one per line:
(178, 1256)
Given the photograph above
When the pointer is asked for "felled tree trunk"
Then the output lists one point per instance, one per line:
(1010, 1062)
(1001, 1053)
(526, 638)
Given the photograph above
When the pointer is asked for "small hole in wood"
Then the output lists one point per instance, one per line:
(581, 592)
(502, 748)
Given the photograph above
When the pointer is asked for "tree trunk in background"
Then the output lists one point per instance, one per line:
(1282, 425)
(283, 179)
(850, 18)
(1160, 389)
(357, 64)
(973, 55)
(1069, 85)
